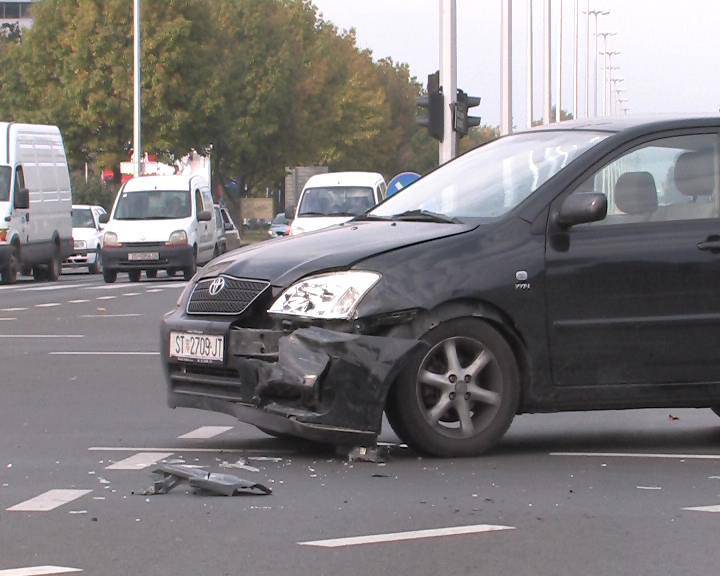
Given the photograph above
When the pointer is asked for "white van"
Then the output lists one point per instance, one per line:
(159, 223)
(334, 198)
(35, 203)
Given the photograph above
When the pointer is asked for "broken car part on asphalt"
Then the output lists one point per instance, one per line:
(212, 482)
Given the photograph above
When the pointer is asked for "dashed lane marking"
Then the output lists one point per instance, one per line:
(132, 293)
(12, 309)
(154, 290)
(206, 450)
(42, 336)
(47, 305)
(133, 315)
(410, 535)
(38, 571)
(205, 432)
(106, 298)
(51, 288)
(110, 286)
(113, 353)
(81, 301)
(704, 509)
(139, 461)
(48, 500)
(637, 455)
(7, 319)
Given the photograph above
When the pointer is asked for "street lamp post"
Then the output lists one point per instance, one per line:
(506, 50)
(614, 88)
(530, 64)
(137, 143)
(594, 14)
(448, 76)
(558, 97)
(605, 73)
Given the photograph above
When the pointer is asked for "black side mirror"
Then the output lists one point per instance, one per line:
(228, 227)
(290, 212)
(581, 208)
(104, 218)
(22, 199)
(204, 216)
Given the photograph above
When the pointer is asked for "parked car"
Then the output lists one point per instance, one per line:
(334, 198)
(87, 238)
(568, 268)
(280, 225)
(35, 223)
(233, 238)
(159, 223)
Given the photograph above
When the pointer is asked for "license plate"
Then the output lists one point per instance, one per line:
(196, 347)
(144, 256)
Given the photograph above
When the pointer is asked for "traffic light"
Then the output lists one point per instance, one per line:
(433, 102)
(463, 122)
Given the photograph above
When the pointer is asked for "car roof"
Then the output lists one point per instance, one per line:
(144, 183)
(344, 179)
(647, 121)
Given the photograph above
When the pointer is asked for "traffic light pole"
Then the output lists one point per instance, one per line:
(448, 76)
(137, 143)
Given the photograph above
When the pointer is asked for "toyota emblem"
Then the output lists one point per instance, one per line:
(217, 286)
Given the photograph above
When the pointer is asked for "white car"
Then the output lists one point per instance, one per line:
(334, 198)
(87, 238)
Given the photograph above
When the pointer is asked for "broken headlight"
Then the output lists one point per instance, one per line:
(333, 296)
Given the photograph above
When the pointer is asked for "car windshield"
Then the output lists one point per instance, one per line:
(153, 205)
(82, 218)
(336, 201)
(493, 179)
(4, 183)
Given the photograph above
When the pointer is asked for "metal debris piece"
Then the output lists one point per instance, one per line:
(223, 484)
(240, 464)
(373, 454)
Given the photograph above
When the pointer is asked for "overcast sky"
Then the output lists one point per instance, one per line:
(669, 48)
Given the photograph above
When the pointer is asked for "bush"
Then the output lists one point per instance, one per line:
(94, 191)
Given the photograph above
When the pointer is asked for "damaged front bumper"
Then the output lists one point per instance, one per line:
(314, 383)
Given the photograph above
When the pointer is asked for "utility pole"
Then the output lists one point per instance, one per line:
(609, 71)
(605, 68)
(448, 76)
(547, 63)
(137, 108)
(558, 97)
(530, 64)
(614, 88)
(576, 61)
(506, 57)
(595, 14)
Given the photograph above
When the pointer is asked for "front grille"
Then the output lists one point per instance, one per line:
(157, 245)
(233, 299)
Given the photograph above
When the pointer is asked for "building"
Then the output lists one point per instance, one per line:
(18, 12)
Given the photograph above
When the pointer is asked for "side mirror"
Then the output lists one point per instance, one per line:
(104, 218)
(228, 227)
(582, 208)
(204, 216)
(22, 199)
(290, 212)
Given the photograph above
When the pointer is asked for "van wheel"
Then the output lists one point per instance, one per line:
(134, 275)
(9, 273)
(189, 272)
(458, 395)
(150, 274)
(96, 267)
(109, 275)
(54, 267)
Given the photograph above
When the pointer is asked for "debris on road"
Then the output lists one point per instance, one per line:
(240, 464)
(673, 418)
(215, 483)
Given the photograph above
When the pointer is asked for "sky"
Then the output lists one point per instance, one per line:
(668, 48)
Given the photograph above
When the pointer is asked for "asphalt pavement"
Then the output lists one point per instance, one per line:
(84, 421)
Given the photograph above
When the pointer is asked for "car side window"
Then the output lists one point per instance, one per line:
(19, 178)
(663, 180)
(198, 201)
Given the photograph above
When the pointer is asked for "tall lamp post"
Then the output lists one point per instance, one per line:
(605, 63)
(614, 88)
(137, 143)
(530, 64)
(594, 14)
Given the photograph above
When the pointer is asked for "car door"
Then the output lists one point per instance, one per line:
(20, 218)
(202, 229)
(633, 299)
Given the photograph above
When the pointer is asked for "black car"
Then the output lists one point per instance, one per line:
(569, 268)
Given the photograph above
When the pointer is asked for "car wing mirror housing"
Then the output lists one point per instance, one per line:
(104, 219)
(228, 227)
(22, 199)
(581, 208)
(204, 216)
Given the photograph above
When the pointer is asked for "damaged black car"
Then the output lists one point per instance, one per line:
(572, 268)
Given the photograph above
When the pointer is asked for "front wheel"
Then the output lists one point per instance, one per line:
(54, 267)
(458, 395)
(109, 275)
(96, 267)
(134, 275)
(10, 271)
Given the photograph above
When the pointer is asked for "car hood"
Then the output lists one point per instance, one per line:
(302, 225)
(285, 260)
(86, 234)
(147, 230)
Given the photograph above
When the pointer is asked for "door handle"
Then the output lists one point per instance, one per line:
(711, 244)
(27, 217)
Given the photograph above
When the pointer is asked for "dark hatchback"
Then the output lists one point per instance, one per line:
(570, 268)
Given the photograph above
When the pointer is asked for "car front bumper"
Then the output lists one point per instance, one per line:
(317, 384)
(81, 258)
(118, 258)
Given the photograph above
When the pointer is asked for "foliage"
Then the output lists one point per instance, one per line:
(94, 191)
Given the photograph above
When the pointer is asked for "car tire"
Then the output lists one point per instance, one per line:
(8, 275)
(96, 267)
(110, 276)
(458, 395)
(134, 275)
(151, 274)
(54, 267)
(189, 272)
(171, 272)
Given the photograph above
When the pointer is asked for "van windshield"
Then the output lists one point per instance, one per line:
(4, 183)
(336, 201)
(153, 205)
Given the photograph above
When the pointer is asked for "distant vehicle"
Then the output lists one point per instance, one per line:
(35, 203)
(87, 238)
(334, 198)
(159, 223)
(233, 238)
(280, 225)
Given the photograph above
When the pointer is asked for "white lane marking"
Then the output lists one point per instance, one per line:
(12, 309)
(169, 285)
(704, 509)
(41, 336)
(207, 450)
(106, 298)
(110, 315)
(7, 319)
(49, 288)
(110, 286)
(154, 290)
(411, 535)
(77, 301)
(649, 487)
(103, 353)
(38, 571)
(47, 305)
(638, 455)
(131, 294)
(48, 500)
(139, 461)
(205, 432)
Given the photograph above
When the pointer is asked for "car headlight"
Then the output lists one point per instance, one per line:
(333, 296)
(80, 244)
(110, 239)
(178, 237)
(185, 293)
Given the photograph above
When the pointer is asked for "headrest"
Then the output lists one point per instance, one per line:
(695, 173)
(635, 193)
